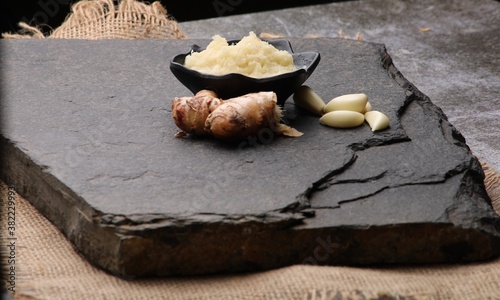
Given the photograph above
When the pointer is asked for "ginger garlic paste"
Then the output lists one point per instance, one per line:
(251, 56)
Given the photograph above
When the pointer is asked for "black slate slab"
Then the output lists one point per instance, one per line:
(88, 139)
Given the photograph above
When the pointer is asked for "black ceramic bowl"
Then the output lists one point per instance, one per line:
(233, 85)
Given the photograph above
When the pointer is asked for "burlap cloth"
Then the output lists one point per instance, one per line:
(103, 19)
(49, 267)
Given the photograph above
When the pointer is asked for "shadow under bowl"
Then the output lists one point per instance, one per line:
(234, 85)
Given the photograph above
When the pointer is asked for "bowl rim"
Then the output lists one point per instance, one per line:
(280, 44)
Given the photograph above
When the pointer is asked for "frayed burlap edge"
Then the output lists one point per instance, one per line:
(102, 19)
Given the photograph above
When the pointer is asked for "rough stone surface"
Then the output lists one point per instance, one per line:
(447, 48)
(89, 140)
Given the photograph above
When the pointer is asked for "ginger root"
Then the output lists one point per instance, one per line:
(233, 119)
(190, 113)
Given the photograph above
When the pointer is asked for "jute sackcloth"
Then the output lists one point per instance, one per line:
(49, 267)
(102, 19)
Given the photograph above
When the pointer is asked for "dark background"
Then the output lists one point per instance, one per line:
(49, 14)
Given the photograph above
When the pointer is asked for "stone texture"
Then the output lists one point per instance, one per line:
(89, 140)
(455, 62)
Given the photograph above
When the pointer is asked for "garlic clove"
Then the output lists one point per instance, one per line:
(342, 119)
(304, 97)
(377, 120)
(368, 107)
(352, 102)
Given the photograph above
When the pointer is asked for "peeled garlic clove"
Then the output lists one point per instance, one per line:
(352, 102)
(377, 120)
(342, 119)
(368, 107)
(304, 97)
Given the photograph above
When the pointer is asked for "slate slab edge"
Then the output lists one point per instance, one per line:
(158, 245)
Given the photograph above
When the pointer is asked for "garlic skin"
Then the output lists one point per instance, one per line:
(377, 120)
(342, 119)
(352, 102)
(305, 98)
